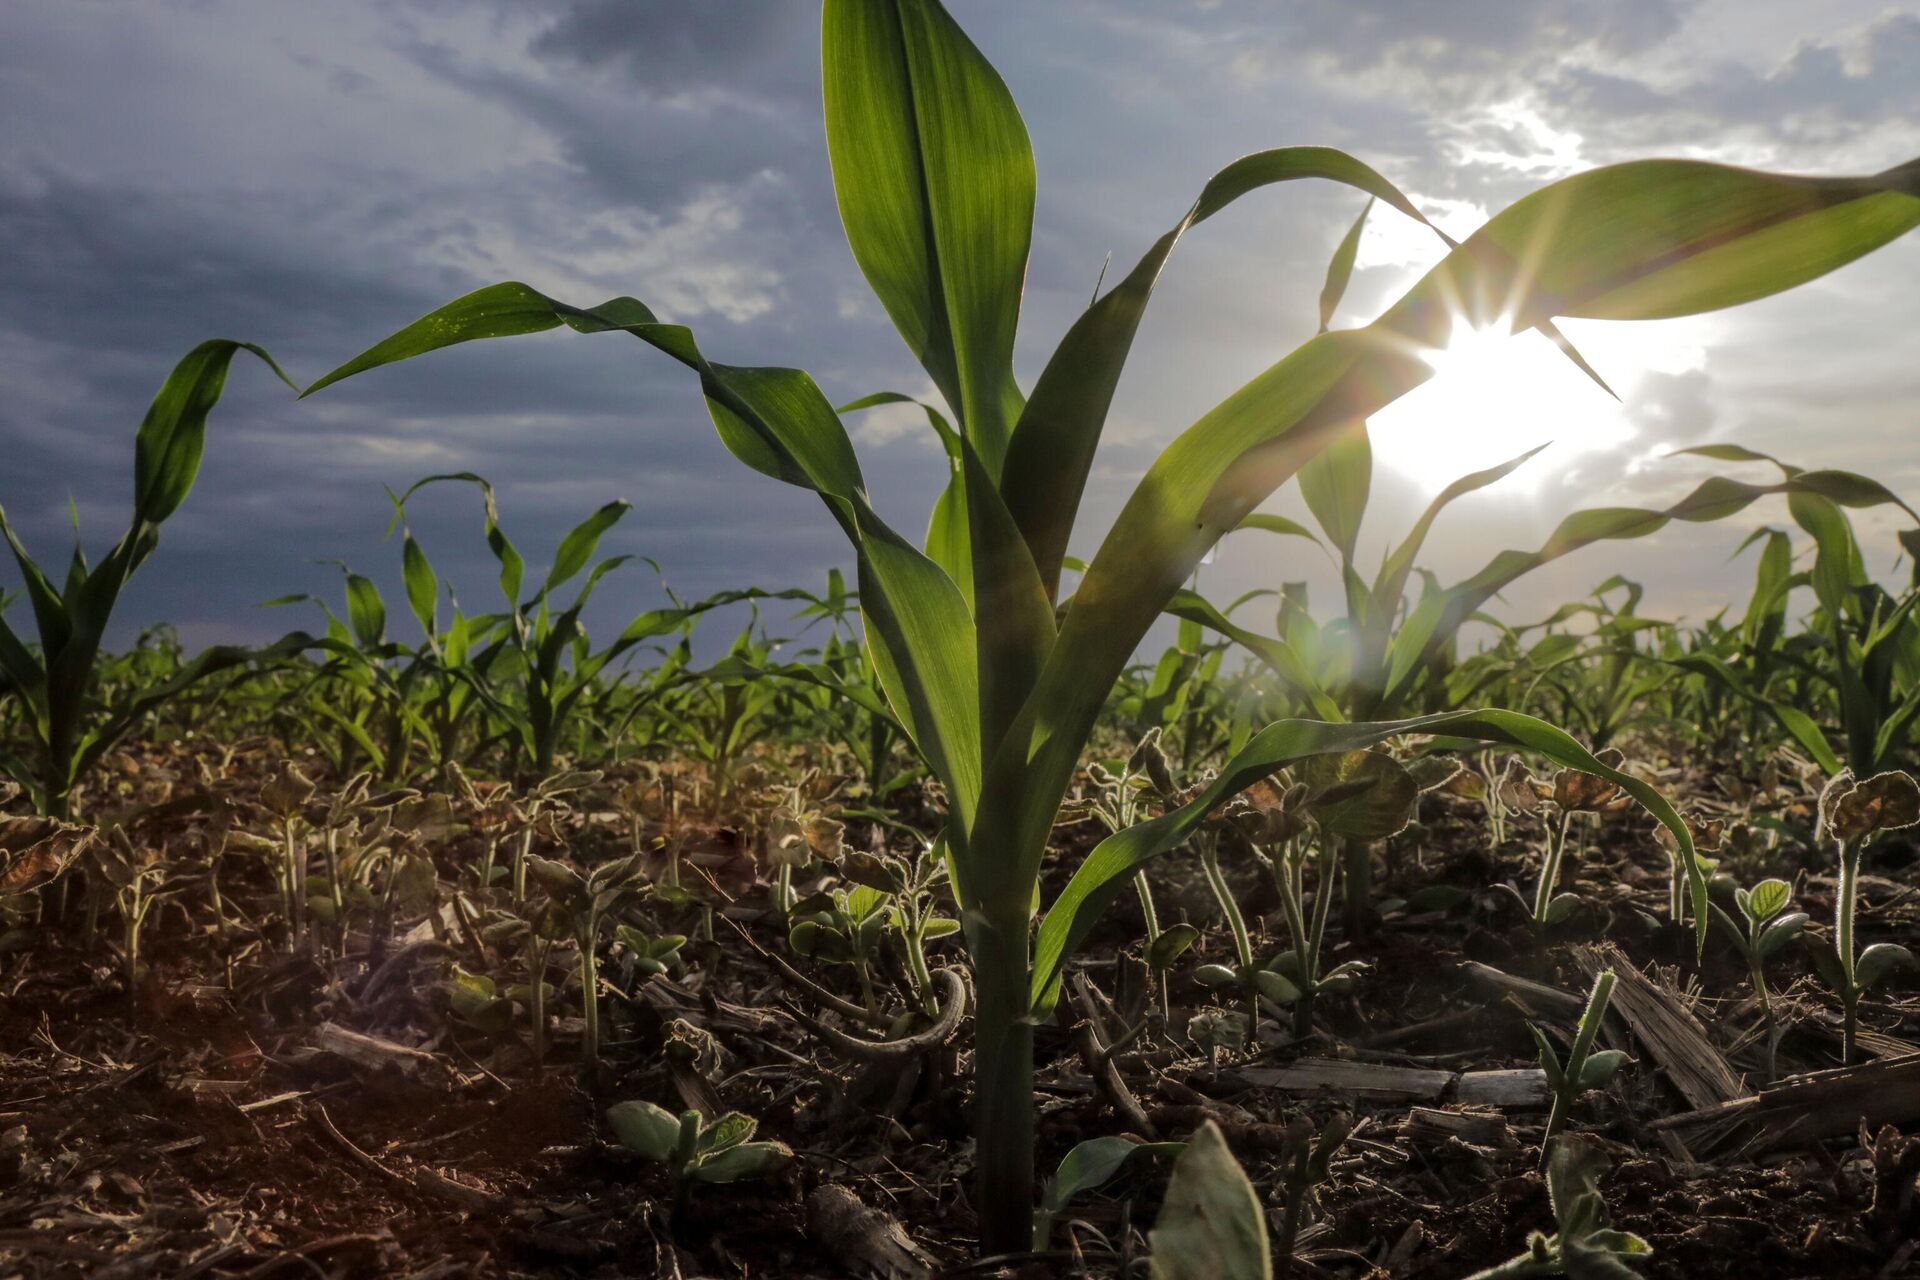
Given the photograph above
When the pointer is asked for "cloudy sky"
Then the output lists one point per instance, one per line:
(312, 176)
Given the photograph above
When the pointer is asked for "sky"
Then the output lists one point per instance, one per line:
(311, 177)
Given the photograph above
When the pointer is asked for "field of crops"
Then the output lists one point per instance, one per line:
(946, 925)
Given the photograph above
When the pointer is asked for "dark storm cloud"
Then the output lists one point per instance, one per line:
(310, 178)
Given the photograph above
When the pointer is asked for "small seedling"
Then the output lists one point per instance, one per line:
(649, 954)
(579, 905)
(1308, 1160)
(1764, 931)
(1583, 1068)
(696, 1152)
(1090, 1164)
(1852, 813)
(1572, 791)
(1117, 802)
(1584, 1244)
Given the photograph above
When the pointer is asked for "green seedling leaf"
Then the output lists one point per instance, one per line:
(1777, 934)
(727, 1132)
(1275, 987)
(1169, 946)
(641, 1126)
(1766, 900)
(1549, 1057)
(1600, 1067)
(748, 1160)
(1877, 961)
(1826, 963)
(1216, 976)
(1211, 1226)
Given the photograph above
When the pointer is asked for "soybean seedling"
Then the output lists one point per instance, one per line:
(1308, 1159)
(1852, 813)
(578, 906)
(1584, 1242)
(1090, 1164)
(1583, 1068)
(696, 1152)
(1572, 791)
(1117, 802)
(1758, 935)
(1355, 796)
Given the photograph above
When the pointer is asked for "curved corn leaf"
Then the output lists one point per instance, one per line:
(1058, 432)
(919, 629)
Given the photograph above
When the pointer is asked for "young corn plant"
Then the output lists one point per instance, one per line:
(1852, 814)
(67, 727)
(1388, 656)
(997, 681)
(534, 676)
(1758, 935)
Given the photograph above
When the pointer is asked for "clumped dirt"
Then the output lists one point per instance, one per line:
(213, 1122)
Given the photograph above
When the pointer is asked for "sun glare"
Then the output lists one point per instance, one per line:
(1492, 397)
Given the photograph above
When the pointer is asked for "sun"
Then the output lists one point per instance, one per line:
(1494, 396)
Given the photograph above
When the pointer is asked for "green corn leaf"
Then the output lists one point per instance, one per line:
(423, 587)
(1437, 618)
(935, 179)
(1278, 525)
(578, 546)
(920, 632)
(1335, 484)
(173, 435)
(1058, 432)
(366, 611)
(1340, 269)
(1798, 724)
(1639, 240)
(1106, 871)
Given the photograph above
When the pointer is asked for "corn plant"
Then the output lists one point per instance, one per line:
(1852, 813)
(1872, 659)
(1759, 935)
(543, 663)
(998, 682)
(67, 727)
(1387, 658)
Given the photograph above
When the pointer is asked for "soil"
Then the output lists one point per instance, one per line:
(208, 1123)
